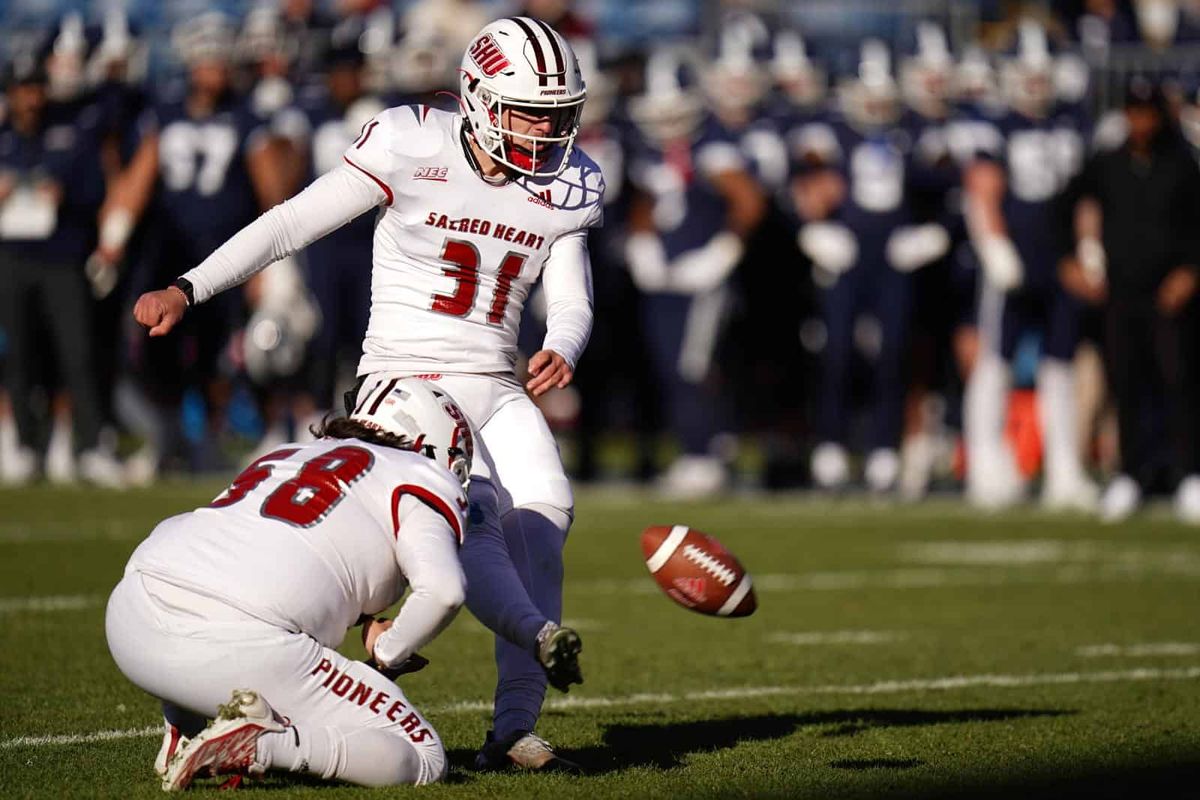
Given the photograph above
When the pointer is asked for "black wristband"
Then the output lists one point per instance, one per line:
(185, 286)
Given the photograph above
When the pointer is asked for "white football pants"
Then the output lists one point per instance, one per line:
(349, 722)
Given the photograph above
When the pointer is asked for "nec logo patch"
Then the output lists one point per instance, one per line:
(488, 56)
(431, 174)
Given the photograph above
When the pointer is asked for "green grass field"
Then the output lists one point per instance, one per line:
(920, 652)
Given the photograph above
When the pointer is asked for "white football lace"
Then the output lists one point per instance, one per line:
(709, 564)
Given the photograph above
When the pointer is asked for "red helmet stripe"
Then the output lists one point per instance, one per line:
(538, 55)
(558, 54)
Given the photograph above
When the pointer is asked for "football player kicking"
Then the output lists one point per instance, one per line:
(472, 208)
(256, 589)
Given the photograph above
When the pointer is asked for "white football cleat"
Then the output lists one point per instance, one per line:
(141, 468)
(1187, 500)
(993, 481)
(522, 750)
(228, 746)
(172, 741)
(693, 478)
(18, 466)
(101, 469)
(882, 470)
(1069, 491)
(60, 459)
(918, 455)
(1121, 498)
(830, 466)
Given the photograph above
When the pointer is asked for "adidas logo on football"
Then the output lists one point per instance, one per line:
(542, 199)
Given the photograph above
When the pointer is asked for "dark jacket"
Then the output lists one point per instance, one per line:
(1151, 212)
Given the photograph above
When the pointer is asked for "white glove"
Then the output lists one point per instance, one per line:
(830, 245)
(101, 275)
(1001, 262)
(911, 247)
(707, 267)
(1092, 258)
(647, 261)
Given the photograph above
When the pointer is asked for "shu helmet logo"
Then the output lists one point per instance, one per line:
(488, 56)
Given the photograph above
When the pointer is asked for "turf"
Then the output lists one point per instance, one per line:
(919, 652)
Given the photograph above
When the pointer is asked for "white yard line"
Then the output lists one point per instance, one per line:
(1140, 650)
(948, 683)
(38, 603)
(817, 638)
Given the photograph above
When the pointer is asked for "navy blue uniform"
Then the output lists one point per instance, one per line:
(42, 251)
(65, 152)
(683, 330)
(1039, 158)
(203, 197)
(878, 169)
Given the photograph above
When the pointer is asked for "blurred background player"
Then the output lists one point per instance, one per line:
(865, 247)
(258, 588)
(204, 168)
(1138, 258)
(1011, 193)
(337, 268)
(51, 185)
(692, 205)
(944, 341)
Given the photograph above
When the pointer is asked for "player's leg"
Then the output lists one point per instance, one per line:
(70, 325)
(345, 720)
(534, 486)
(839, 307)
(992, 477)
(682, 333)
(497, 593)
(17, 315)
(1066, 483)
(892, 305)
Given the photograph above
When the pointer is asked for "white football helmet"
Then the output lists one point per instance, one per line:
(523, 64)
(671, 105)
(425, 415)
(800, 78)
(927, 76)
(735, 80)
(871, 98)
(1027, 78)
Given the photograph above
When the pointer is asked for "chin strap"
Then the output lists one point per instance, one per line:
(469, 152)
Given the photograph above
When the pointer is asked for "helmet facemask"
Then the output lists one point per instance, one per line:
(536, 156)
(518, 70)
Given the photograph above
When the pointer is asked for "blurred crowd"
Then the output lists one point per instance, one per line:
(911, 247)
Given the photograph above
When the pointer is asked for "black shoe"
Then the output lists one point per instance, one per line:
(558, 653)
(522, 750)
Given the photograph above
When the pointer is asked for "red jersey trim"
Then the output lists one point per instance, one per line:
(386, 189)
(430, 499)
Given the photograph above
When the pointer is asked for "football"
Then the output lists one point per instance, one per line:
(697, 572)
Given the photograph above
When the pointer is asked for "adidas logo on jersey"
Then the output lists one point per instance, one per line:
(542, 199)
(431, 174)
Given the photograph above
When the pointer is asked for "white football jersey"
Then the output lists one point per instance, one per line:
(454, 256)
(306, 537)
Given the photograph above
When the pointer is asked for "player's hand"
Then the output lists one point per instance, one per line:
(1176, 290)
(1079, 282)
(549, 371)
(102, 275)
(371, 631)
(160, 311)
(414, 663)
